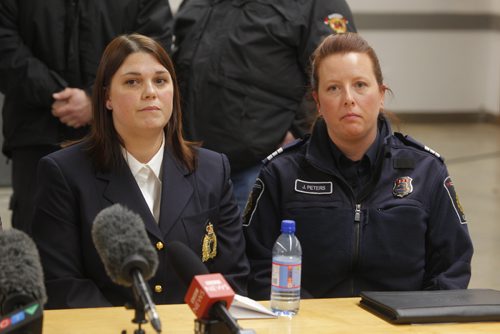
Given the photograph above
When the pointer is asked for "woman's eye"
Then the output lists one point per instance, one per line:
(360, 84)
(131, 82)
(333, 88)
(161, 81)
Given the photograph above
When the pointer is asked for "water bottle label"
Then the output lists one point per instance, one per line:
(286, 275)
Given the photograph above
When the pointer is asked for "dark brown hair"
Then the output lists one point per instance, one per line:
(341, 44)
(104, 142)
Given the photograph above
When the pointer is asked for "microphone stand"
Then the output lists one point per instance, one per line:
(207, 326)
(139, 314)
(220, 322)
(143, 306)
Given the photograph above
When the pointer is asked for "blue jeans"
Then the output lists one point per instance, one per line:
(243, 182)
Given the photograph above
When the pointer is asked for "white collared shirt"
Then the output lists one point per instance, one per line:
(148, 178)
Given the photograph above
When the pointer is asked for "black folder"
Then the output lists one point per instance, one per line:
(403, 307)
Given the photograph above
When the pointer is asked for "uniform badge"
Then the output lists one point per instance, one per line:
(402, 187)
(336, 22)
(448, 185)
(209, 247)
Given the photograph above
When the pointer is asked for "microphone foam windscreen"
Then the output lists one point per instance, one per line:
(20, 268)
(119, 235)
(184, 261)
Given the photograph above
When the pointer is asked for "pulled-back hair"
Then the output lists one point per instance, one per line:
(342, 44)
(104, 142)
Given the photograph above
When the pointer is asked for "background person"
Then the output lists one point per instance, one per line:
(135, 155)
(375, 210)
(49, 52)
(242, 69)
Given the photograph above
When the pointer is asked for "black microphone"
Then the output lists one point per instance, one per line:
(22, 290)
(209, 295)
(129, 258)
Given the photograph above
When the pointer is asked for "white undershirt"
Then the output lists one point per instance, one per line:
(148, 178)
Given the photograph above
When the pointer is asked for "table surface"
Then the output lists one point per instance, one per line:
(316, 316)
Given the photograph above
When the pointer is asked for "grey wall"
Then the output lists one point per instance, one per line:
(438, 57)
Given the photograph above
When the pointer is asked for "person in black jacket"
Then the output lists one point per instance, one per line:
(135, 156)
(242, 67)
(49, 51)
(374, 210)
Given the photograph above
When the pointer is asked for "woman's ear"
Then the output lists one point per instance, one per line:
(109, 106)
(383, 90)
(316, 101)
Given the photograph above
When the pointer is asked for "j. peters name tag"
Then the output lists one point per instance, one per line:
(314, 188)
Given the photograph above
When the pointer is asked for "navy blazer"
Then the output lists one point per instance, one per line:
(70, 193)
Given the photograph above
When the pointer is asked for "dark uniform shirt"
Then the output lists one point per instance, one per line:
(405, 230)
(357, 173)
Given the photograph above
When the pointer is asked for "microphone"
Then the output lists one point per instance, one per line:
(209, 295)
(128, 256)
(22, 290)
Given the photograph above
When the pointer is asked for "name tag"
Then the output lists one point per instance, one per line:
(314, 188)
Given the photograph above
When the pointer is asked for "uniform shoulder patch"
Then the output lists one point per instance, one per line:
(337, 23)
(409, 141)
(293, 144)
(450, 189)
(253, 200)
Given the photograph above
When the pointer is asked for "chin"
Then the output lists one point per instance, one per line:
(355, 132)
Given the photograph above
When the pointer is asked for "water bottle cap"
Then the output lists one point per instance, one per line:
(288, 226)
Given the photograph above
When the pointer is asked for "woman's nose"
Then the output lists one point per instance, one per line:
(348, 98)
(149, 90)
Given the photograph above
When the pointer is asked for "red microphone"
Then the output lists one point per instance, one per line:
(209, 295)
(205, 291)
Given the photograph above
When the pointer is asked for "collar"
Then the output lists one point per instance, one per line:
(319, 149)
(370, 155)
(155, 163)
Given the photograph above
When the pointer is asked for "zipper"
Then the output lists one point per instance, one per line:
(357, 232)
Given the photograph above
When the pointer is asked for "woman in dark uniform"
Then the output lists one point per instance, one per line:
(375, 210)
(135, 156)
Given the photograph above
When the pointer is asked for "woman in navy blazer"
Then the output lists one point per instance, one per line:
(136, 115)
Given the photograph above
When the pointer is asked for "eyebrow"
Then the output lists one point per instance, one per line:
(138, 73)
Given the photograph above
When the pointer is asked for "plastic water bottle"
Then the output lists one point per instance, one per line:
(286, 271)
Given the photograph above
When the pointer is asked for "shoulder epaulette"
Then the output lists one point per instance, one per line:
(409, 141)
(296, 143)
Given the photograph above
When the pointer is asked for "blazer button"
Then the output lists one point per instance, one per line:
(158, 288)
(159, 245)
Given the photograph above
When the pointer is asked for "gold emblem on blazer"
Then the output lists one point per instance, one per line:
(209, 247)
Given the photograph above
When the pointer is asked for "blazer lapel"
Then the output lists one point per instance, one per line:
(122, 188)
(175, 193)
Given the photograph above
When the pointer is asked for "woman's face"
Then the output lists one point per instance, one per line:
(349, 97)
(140, 96)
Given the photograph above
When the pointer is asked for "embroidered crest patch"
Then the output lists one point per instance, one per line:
(252, 201)
(336, 22)
(448, 185)
(314, 188)
(209, 246)
(402, 187)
